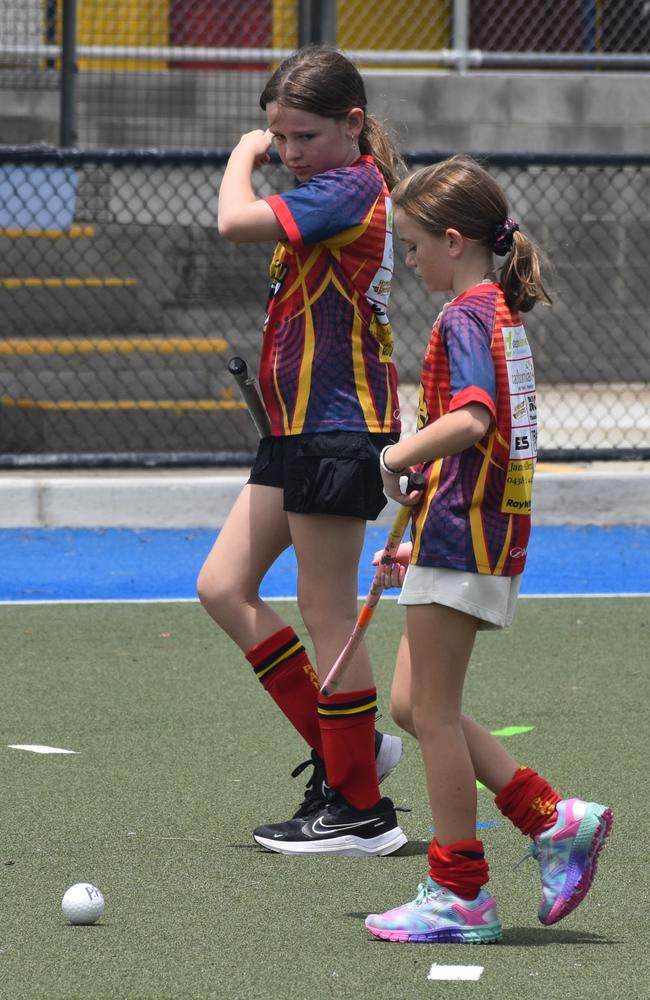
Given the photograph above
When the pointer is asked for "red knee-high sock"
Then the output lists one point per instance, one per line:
(347, 725)
(460, 867)
(529, 802)
(282, 665)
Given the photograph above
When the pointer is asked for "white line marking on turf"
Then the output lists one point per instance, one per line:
(453, 972)
(194, 600)
(119, 600)
(37, 748)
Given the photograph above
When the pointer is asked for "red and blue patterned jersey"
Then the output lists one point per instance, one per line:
(475, 514)
(326, 360)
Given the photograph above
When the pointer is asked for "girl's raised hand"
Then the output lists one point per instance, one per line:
(257, 143)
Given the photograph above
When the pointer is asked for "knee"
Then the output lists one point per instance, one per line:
(435, 724)
(212, 593)
(324, 615)
(401, 714)
(314, 617)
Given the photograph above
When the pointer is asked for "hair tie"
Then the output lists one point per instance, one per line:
(502, 237)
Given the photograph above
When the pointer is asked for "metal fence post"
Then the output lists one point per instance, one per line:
(68, 106)
(317, 21)
(460, 33)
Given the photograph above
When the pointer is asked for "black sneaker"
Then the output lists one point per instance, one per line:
(337, 828)
(388, 750)
(316, 791)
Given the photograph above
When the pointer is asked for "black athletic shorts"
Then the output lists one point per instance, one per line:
(336, 472)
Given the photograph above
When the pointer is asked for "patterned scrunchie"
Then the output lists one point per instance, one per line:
(502, 238)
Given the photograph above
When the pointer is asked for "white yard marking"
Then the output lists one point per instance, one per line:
(37, 748)
(451, 972)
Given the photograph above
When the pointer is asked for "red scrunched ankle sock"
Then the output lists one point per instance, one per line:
(529, 802)
(460, 867)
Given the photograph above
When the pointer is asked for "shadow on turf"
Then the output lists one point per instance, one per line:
(410, 849)
(541, 936)
(520, 937)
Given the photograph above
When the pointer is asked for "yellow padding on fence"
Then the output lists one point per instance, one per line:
(121, 22)
(73, 233)
(112, 345)
(68, 282)
(177, 405)
(424, 26)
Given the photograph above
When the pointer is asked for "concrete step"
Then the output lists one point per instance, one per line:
(75, 309)
(596, 493)
(131, 428)
(130, 279)
(143, 394)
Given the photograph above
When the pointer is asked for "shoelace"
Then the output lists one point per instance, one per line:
(532, 851)
(300, 768)
(312, 793)
(423, 895)
(426, 893)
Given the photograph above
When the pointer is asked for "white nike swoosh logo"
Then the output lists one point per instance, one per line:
(319, 827)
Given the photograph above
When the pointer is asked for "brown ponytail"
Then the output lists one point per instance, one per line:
(521, 276)
(460, 194)
(375, 139)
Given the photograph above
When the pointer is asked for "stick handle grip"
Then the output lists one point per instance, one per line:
(416, 481)
(250, 394)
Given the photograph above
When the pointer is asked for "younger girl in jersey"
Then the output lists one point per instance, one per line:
(330, 388)
(476, 444)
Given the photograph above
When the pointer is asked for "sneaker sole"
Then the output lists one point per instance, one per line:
(388, 757)
(593, 840)
(448, 935)
(350, 847)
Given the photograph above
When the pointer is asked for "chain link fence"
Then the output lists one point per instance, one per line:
(188, 73)
(121, 306)
(120, 303)
(551, 26)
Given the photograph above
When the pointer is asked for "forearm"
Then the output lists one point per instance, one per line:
(451, 434)
(241, 216)
(236, 189)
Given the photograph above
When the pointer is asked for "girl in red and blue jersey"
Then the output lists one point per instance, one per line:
(476, 444)
(330, 389)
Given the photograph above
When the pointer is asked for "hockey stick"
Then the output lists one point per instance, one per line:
(416, 481)
(250, 394)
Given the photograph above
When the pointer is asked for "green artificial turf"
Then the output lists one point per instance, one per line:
(180, 753)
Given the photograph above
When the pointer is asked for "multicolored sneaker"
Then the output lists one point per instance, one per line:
(568, 855)
(438, 916)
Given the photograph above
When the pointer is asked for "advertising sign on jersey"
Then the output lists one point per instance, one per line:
(517, 495)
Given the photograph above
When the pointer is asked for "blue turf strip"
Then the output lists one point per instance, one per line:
(125, 564)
